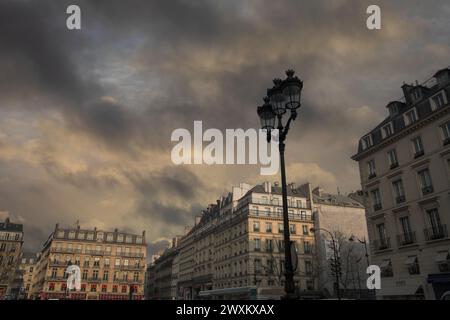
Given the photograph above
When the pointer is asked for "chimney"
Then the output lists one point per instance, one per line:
(267, 187)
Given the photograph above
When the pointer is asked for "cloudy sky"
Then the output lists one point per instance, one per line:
(86, 116)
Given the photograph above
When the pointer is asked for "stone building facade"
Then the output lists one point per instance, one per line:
(404, 166)
(112, 264)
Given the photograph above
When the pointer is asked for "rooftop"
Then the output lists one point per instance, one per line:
(417, 97)
(9, 226)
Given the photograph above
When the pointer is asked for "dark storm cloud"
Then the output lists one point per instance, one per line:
(160, 193)
(139, 69)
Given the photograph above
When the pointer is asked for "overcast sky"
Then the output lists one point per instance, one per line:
(86, 116)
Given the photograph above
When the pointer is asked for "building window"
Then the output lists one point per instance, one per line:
(51, 287)
(269, 227)
(392, 157)
(81, 235)
(106, 262)
(72, 235)
(105, 275)
(307, 247)
(387, 130)
(445, 128)
(85, 274)
(104, 287)
(425, 181)
(410, 117)
(256, 226)
(83, 287)
(399, 191)
(95, 274)
(257, 266)
(437, 230)
(117, 263)
(418, 147)
(308, 268)
(124, 289)
(120, 238)
(96, 262)
(93, 288)
(128, 239)
(86, 262)
(407, 236)
(437, 101)
(257, 244)
(305, 230)
(138, 239)
(376, 199)
(54, 273)
(366, 142)
(372, 169)
(382, 242)
(293, 229)
(386, 269)
(136, 277)
(280, 228)
(413, 265)
(90, 236)
(269, 245)
(114, 290)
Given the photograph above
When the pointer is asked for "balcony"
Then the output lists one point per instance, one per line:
(400, 199)
(394, 165)
(130, 254)
(382, 244)
(418, 154)
(406, 238)
(427, 190)
(377, 207)
(436, 233)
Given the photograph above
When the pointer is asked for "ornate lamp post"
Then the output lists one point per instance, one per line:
(284, 95)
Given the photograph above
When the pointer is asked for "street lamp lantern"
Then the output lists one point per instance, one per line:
(266, 115)
(277, 97)
(292, 90)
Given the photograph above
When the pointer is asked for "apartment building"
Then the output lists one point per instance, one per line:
(112, 264)
(11, 241)
(342, 218)
(27, 269)
(404, 166)
(165, 275)
(237, 247)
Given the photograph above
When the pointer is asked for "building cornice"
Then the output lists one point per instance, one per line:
(406, 131)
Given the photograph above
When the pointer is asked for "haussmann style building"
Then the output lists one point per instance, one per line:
(11, 241)
(112, 264)
(404, 165)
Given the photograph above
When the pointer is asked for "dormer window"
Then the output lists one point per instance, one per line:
(417, 94)
(438, 100)
(366, 142)
(410, 116)
(387, 131)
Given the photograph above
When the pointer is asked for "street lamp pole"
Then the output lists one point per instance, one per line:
(336, 260)
(284, 95)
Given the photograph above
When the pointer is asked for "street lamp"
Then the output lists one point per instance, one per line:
(363, 241)
(284, 95)
(336, 260)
